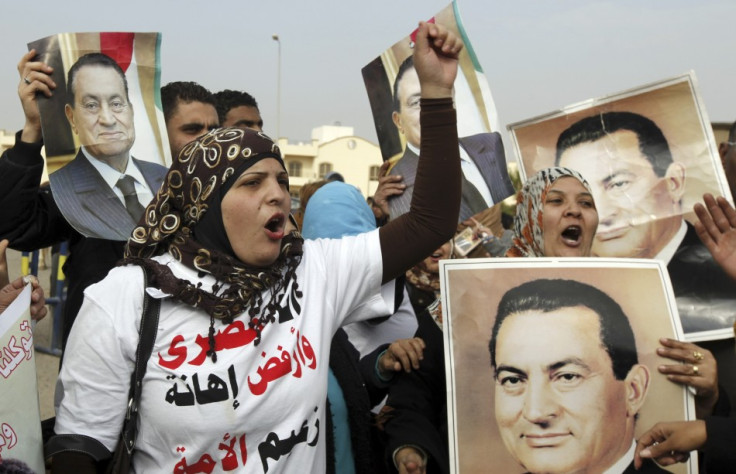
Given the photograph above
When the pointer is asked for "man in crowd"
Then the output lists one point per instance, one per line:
(566, 400)
(238, 109)
(189, 112)
(485, 178)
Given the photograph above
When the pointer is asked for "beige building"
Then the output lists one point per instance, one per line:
(333, 148)
(6, 140)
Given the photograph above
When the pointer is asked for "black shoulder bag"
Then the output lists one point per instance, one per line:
(120, 461)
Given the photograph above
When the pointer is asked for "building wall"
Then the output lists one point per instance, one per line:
(6, 140)
(352, 157)
(337, 146)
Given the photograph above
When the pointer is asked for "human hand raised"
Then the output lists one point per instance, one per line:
(716, 227)
(436, 52)
(34, 79)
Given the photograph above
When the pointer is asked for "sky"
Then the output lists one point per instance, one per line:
(538, 55)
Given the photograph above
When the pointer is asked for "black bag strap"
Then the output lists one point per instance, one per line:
(92, 447)
(148, 329)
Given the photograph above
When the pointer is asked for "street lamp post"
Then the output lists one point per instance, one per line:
(278, 91)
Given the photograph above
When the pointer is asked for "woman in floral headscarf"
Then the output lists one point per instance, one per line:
(238, 376)
(555, 216)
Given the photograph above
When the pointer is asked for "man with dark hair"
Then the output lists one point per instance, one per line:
(568, 384)
(238, 109)
(485, 177)
(727, 150)
(637, 187)
(103, 191)
(189, 112)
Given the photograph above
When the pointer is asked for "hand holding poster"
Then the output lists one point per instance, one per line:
(20, 416)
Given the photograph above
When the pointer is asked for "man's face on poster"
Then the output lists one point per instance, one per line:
(101, 115)
(638, 210)
(407, 118)
(558, 406)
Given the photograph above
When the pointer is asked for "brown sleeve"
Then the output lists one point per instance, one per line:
(435, 204)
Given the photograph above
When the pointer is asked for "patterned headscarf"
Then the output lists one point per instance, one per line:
(190, 195)
(528, 232)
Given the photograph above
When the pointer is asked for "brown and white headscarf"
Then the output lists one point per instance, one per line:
(185, 220)
(528, 231)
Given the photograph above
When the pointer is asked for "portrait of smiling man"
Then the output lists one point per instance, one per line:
(566, 401)
(103, 191)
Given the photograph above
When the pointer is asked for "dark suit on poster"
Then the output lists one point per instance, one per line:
(699, 283)
(90, 205)
(486, 151)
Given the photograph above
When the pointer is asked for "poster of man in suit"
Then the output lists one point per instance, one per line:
(103, 128)
(552, 364)
(393, 91)
(648, 154)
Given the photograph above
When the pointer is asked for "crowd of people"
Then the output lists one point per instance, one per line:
(320, 336)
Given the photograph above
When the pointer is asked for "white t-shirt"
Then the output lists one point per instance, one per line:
(366, 336)
(258, 408)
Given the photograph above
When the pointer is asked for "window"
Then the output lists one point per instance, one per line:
(295, 168)
(324, 168)
(373, 172)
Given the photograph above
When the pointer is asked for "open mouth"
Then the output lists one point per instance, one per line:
(275, 223)
(572, 235)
